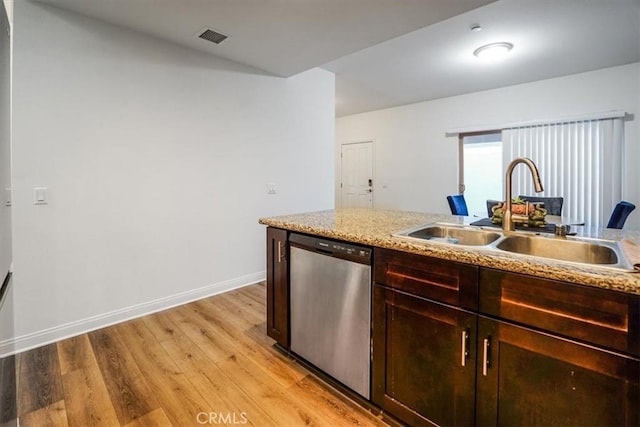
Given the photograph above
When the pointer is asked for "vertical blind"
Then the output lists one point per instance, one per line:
(580, 161)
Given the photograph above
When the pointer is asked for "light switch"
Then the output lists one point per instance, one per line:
(40, 196)
(7, 197)
(271, 188)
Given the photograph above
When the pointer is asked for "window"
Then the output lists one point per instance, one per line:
(481, 176)
(579, 160)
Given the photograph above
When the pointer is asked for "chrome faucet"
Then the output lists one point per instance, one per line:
(507, 222)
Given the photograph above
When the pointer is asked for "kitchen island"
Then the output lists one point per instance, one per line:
(465, 335)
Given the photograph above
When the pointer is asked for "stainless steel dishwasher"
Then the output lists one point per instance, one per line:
(330, 310)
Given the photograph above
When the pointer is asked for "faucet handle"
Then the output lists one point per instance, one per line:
(561, 230)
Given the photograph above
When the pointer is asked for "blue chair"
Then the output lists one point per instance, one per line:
(620, 214)
(458, 205)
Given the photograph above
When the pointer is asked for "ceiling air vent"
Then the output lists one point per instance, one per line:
(212, 36)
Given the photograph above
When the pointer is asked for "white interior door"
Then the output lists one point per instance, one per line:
(357, 175)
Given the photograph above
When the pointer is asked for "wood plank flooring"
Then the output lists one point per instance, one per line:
(205, 363)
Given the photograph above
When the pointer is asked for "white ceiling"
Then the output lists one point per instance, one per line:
(283, 37)
(551, 38)
(393, 52)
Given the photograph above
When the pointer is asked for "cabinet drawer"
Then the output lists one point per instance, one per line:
(598, 316)
(433, 278)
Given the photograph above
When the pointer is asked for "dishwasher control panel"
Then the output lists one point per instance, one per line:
(335, 248)
(343, 248)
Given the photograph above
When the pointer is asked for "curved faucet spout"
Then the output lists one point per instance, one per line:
(507, 221)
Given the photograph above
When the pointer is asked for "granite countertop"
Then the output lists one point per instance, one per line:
(374, 227)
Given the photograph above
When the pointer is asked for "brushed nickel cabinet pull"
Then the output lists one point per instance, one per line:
(279, 251)
(465, 352)
(486, 345)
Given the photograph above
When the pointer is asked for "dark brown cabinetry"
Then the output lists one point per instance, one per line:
(460, 345)
(597, 316)
(277, 286)
(529, 378)
(424, 360)
(424, 351)
(439, 280)
(561, 353)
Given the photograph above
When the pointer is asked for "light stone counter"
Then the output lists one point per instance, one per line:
(375, 227)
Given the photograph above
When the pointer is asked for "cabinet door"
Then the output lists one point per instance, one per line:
(277, 286)
(423, 360)
(528, 378)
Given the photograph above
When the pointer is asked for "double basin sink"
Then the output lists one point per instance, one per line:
(593, 252)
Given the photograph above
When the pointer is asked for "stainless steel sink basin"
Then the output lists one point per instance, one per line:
(452, 234)
(599, 253)
(586, 252)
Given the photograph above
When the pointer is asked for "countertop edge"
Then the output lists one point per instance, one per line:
(374, 228)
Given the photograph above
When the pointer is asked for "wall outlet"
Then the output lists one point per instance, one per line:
(271, 188)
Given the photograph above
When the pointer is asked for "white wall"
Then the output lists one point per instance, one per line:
(5, 144)
(6, 300)
(156, 159)
(416, 164)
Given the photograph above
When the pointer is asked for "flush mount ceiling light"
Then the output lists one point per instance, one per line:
(493, 52)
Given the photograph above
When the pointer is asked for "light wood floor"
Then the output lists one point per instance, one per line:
(204, 363)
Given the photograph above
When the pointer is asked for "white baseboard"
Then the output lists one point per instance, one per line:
(57, 333)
